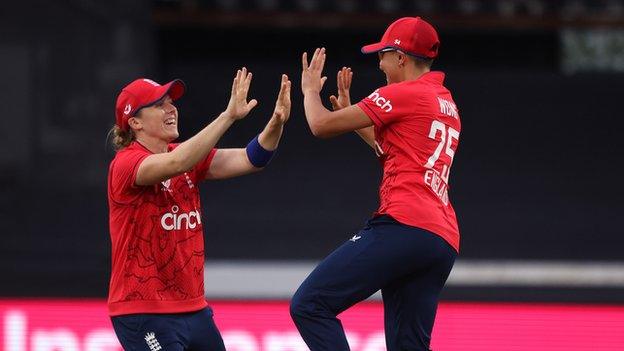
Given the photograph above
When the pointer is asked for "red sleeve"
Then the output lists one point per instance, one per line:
(385, 105)
(201, 169)
(122, 175)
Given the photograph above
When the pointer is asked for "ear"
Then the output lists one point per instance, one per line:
(135, 123)
(401, 58)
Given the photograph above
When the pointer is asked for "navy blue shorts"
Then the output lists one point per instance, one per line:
(194, 331)
(410, 266)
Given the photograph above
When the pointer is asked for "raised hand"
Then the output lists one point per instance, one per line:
(282, 105)
(311, 75)
(238, 107)
(344, 78)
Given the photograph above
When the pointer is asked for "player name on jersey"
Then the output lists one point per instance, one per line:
(435, 181)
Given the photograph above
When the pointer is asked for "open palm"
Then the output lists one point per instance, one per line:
(238, 107)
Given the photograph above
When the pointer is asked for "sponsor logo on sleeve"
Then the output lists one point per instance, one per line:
(380, 101)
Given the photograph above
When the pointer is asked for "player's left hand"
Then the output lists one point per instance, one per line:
(311, 75)
(343, 79)
(282, 105)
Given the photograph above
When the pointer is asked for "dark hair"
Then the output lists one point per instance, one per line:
(422, 61)
(120, 138)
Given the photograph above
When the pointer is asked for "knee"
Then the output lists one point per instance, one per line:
(302, 305)
(298, 306)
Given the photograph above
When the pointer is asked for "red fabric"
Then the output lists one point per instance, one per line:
(141, 93)
(157, 238)
(414, 121)
(412, 35)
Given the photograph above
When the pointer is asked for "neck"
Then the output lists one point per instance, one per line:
(413, 72)
(153, 144)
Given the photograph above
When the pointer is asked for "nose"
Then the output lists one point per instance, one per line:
(169, 107)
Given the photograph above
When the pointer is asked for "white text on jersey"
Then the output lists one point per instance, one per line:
(380, 101)
(448, 108)
(437, 184)
(175, 221)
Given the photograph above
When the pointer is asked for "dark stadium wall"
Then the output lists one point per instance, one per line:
(536, 175)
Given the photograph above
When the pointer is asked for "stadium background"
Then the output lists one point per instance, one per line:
(536, 184)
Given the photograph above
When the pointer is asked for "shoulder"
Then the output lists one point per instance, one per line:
(129, 155)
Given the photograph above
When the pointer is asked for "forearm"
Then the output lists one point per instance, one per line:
(195, 149)
(270, 136)
(315, 112)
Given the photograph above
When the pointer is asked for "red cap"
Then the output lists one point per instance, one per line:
(141, 93)
(412, 35)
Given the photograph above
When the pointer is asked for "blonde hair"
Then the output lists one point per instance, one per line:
(120, 138)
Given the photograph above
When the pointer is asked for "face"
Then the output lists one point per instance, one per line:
(157, 121)
(389, 63)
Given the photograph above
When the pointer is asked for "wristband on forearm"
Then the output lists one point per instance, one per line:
(257, 155)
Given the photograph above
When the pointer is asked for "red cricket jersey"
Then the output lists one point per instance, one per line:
(417, 126)
(157, 238)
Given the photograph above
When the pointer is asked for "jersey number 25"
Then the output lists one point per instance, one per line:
(446, 138)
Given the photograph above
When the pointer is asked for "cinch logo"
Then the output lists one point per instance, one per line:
(175, 221)
(380, 101)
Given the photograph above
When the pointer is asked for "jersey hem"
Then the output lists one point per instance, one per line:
(451, 238)
(156, 306)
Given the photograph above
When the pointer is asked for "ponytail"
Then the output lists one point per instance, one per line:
(120, 138)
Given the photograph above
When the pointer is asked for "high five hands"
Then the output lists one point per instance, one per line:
(343, 78)
(238, 107)
(312, 79)
(282, 105)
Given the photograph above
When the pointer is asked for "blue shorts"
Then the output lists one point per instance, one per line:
(178, 331)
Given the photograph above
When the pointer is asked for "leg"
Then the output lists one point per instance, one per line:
(338, 282)
(380, 253)
(410, 302)
(205, 335)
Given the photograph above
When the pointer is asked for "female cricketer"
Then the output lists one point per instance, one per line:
(408, 247)
(156, 297)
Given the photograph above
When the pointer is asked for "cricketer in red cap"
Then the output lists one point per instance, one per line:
(412, 35)
(142, 93)
(155, 213)
(408, 248)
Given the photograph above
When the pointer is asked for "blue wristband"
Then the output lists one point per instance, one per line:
(257, 155)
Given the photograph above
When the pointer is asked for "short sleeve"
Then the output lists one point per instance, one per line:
(385, 105)
(201, 169)
(123, 172)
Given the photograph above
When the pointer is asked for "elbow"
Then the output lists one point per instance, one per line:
(320, 130)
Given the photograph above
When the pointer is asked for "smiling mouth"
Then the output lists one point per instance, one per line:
(170, 122)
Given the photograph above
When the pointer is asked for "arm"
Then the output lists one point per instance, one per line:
(158, 167)
(322, 122)
(228, 163)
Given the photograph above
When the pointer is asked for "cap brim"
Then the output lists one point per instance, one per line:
(175, 89)
(371, 48)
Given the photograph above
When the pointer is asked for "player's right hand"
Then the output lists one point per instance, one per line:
(312, 79)
(344, 78)
(238, 107)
